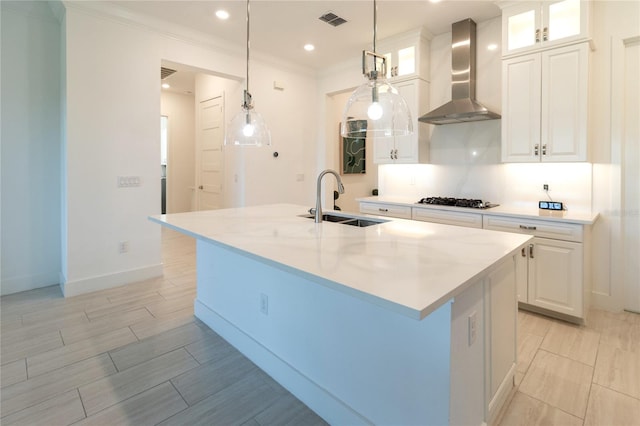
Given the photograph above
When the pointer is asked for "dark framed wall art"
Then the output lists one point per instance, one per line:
(353, 151)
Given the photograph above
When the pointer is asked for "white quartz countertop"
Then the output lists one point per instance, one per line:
(407, 266)
(513, 210)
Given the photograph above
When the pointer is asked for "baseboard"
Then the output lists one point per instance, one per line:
(324, 403)
(18, 284)
(102, 282)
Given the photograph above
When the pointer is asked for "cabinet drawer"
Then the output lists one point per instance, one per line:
(392, 210)
(470, 220)
(538, 228)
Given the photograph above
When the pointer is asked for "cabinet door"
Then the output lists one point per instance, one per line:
(564, 103)
(529, 26)
(564, 21)
(412, 148)
(555, 276)
(519, 25)
(383, 150)
(521, 109)
(407, 146)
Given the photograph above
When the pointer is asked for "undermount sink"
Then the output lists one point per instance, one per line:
(347, 220)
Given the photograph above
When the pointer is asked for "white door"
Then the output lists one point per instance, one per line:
(631, 176)
(209, 156)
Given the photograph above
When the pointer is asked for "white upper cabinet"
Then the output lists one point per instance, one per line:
(407, 55)
(411, 148)
(528, 26)
(544, 105)
(408, 71)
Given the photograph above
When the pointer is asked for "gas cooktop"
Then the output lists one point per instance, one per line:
(457, 202)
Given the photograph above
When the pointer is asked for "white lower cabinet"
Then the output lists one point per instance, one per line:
(555, 276)
(550, 272)
(383, 209)
(447, 217)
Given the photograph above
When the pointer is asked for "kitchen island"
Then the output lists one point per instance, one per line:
(397, 323)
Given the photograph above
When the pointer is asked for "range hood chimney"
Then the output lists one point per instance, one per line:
(463, 106)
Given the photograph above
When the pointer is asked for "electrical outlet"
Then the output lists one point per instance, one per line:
(123, 247)
(129, 181)
(473, 328)
(545, 187)
(264, 303)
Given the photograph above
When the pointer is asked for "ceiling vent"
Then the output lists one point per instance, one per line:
(332, 19)
(166, 72)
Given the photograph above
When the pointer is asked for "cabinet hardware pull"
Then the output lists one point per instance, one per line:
(528, 228)
(531, 251)
(383, 210)
(538, 35)
(391, 154)
(201, 187)
(545, 34)
(536, 149)
(544, 149)
(523, 252)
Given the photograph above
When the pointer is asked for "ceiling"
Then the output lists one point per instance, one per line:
(280, 28)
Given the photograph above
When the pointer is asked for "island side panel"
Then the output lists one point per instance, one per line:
(350, 361)
(467, 357)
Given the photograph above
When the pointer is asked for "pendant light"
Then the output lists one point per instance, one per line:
(247, 128)
(376, 108)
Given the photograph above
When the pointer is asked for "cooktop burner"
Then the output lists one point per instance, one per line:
(457, 202)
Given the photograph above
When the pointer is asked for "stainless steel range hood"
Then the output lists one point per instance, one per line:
(463, 106)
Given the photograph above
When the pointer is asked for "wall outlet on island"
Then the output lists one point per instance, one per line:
(473, 328)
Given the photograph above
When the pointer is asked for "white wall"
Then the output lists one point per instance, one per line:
(113, 107)
(180, 110)
(30, 112)
(253, 175)
(613, 21)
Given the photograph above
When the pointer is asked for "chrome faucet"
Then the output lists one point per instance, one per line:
(318, 210)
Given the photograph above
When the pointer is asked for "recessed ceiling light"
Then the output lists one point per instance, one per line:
(309, 47)
(165, 85)
(435, 1)
(222, 14)
(492, 46)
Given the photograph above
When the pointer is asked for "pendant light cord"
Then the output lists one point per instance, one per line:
(248, 45)
(375, 33)
(375, 24)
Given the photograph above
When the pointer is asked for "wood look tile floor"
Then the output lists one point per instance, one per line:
(135, 355)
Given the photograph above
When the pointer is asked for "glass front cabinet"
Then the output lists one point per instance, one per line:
(528, 26)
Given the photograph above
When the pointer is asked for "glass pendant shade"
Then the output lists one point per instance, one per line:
(376, 109)
(247, 128)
